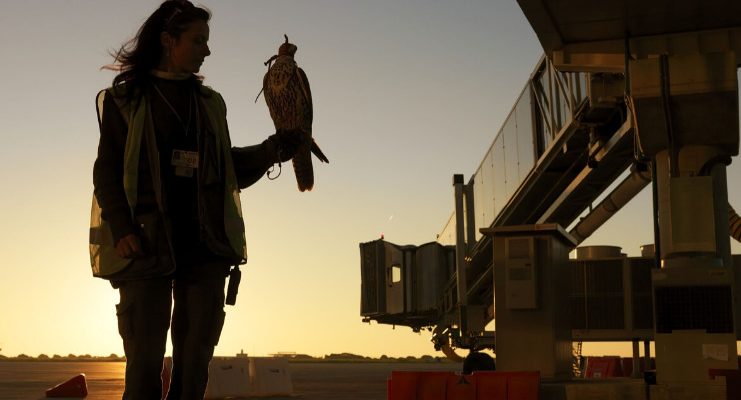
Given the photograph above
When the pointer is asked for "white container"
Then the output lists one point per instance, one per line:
(228, 377)
(270, 377)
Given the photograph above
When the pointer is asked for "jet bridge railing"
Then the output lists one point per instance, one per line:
(547, 104)
(557, 96)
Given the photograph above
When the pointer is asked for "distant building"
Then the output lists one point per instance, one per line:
(284, 354)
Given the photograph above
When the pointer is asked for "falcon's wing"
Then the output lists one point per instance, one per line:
(309, 112)
(306, 90)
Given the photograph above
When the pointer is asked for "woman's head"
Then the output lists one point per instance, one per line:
(173, 38)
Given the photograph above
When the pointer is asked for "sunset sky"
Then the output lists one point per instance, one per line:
(406, 94)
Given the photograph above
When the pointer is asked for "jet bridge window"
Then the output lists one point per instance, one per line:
(395, 273)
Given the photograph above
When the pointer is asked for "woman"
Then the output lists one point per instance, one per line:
(167, 223)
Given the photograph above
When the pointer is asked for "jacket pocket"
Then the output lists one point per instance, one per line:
(156, 260)
(150, 227)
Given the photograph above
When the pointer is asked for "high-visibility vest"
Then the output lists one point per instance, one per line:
(103, 258)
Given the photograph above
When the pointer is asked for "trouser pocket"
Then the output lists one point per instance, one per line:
(216, 327)
(124, 313)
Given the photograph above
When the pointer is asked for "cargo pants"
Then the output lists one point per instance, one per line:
(143, 320)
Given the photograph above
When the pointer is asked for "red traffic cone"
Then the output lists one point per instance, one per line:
(75, 387)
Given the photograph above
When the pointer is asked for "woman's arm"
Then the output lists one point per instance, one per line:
(251, 162)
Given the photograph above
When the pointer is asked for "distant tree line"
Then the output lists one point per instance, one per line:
(292, 357)
(68, 357)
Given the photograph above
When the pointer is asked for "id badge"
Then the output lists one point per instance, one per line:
(185, 162)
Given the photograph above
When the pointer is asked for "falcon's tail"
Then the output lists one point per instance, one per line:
(304, 170)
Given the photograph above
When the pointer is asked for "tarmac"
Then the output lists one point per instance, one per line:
(311, 381)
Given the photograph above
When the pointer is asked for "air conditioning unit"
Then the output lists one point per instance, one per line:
(695, 327)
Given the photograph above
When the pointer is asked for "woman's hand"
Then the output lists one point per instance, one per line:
(129, 246)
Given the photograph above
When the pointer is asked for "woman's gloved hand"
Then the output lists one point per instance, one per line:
(284, 143)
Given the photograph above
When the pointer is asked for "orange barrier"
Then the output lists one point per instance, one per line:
(461, 387)
(432, 386)
(733, 381)
(403, 385)
(604, 367)
(406, 385)
(523, 387)
(493, 385)
(75, 387)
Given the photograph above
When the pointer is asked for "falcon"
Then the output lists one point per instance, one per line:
(288, 96)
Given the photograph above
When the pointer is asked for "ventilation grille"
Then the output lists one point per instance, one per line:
(694, 307)
(597, 295)
(643, 315)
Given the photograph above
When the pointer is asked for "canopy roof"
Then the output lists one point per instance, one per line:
(559, 23)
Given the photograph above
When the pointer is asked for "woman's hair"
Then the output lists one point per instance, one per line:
(143, 52)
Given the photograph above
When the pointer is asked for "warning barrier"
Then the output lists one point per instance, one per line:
(240, 377)
(604, 367)
(228, 377)
(407, 385)
(270, 376)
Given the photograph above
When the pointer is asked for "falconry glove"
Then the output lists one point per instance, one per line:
(286, 144)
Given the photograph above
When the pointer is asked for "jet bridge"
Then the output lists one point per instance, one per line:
(644, 87)
(566, 139)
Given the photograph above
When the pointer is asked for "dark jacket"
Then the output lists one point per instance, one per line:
(169, 106)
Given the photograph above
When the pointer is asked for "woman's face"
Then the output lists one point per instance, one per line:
(190, 49)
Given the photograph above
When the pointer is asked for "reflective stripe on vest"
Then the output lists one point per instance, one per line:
(233, 221)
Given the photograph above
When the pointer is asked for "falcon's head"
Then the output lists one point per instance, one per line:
(287, 49)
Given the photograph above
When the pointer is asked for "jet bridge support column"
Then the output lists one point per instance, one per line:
(460, 254)
(471, 315)
(686, 105)
(531, 272)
